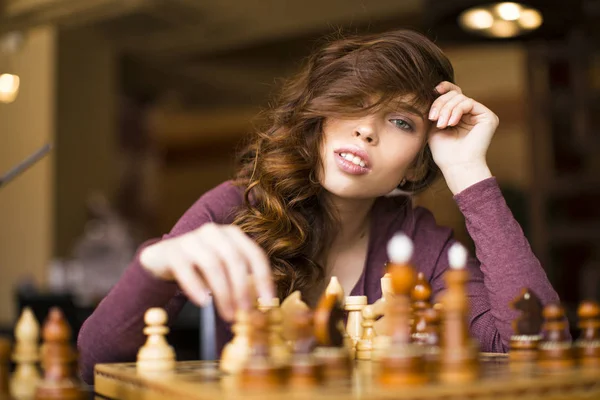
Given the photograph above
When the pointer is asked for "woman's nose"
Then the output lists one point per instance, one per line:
(366, 132)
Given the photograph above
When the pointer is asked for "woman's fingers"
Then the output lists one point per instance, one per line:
(445, 87)
(446, 91)
(259, 265)
(219, 258)
(234, 263)
(448, 109)
(213, 270)
(435, 113)
(154, 259)
(189, 280)
(462, 108)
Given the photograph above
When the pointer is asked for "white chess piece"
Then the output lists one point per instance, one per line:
(26, 354)
(156, 355)
(290, 307)
(235, 353)
(278, 349)
(335, 287)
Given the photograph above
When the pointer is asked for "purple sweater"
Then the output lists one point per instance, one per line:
(504, 265)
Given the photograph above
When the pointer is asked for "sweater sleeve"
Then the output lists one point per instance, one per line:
(433, 260)
(114, 331)
(504, 265)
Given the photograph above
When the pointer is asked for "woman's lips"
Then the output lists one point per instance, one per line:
(349, 166)
(354, 151)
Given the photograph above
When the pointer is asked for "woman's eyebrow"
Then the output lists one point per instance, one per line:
(411, 109)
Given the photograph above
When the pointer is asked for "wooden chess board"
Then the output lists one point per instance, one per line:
(202, 380)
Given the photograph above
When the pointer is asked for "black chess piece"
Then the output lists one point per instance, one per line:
(527, 327)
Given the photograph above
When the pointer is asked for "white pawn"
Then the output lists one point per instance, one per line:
(235, 353)
(26, 354)
(364, 347)
(156, 355)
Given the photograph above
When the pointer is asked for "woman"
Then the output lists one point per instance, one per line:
(366, 116)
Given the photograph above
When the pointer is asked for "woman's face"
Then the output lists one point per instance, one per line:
(368, 156)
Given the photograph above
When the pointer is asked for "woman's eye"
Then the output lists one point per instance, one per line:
(402, 124)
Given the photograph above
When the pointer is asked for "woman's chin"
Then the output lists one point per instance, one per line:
(354, 191)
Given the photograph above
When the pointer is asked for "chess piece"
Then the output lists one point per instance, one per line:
(235, 353)
(588, 344)
(431, 333)
(290, 306)
(156, 355)
(333, 351)
(305, 370)
(335, 288)
(26, 376)
(381, 344)
(280, 352)
(459, 353)
(379, 306)
(555, 351)
(329, 320)
(259, 371)
(527, 327)
(266, 305)
(4, 366)
(431, 340)
(353, 306)
(382, 340)
(420, 295)
(58, 362)
(364, 347)
(403, 363)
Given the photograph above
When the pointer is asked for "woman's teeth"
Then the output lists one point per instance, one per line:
(353, 159)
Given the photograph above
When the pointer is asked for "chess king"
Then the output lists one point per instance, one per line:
(368, 122)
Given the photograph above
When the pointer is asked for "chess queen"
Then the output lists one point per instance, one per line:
(321, 188)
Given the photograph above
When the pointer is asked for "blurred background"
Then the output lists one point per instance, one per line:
(146, 101)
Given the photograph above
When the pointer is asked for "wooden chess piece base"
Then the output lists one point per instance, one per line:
(5, 347)
(380, 346)
(336, 363)
(304, 371)
(431, 357)
(60, 390)
(588, 354)
(403, 365)
(523, 354)
(524, 348)
(555, 357)
(364, 350)
(24, 381)
(350, 345)
(262, 374)
(460, 365)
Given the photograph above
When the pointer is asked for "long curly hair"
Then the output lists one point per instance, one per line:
(285, 209)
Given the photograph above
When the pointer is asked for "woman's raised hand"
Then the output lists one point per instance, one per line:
(217, 259)
(460, 136)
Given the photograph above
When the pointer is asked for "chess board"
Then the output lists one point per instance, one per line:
(202, 380)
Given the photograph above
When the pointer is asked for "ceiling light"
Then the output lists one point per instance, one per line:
(10, 44)
(9, 87)
(479, 19)
(501, 20)
(530, 19)
(509, 11)
(504, 29)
